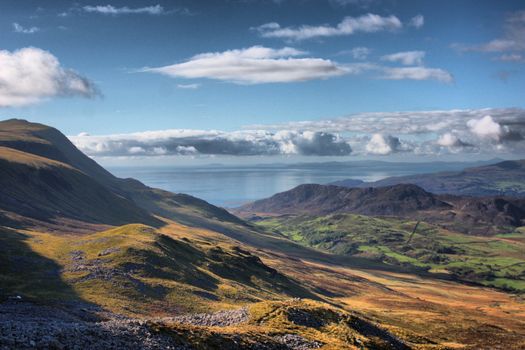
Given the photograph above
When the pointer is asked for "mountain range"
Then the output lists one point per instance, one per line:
(503, 178)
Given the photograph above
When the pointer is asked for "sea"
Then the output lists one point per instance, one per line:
(233, 185)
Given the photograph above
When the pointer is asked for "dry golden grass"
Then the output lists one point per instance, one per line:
(448, 313)
(14, 156)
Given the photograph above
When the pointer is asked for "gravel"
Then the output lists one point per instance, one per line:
(77, 326)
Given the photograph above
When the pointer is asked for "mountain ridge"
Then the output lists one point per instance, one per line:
(502, 178)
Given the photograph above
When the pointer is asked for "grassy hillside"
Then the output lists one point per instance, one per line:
(134, 269)
(496, 261)
(44, 189)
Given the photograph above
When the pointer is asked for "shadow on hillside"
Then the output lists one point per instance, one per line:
(25, 273)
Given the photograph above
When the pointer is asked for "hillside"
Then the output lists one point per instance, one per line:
(40, 163)
(503, 178)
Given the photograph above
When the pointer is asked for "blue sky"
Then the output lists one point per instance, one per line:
(264, 66)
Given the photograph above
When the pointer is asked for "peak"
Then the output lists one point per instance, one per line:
(21, 124)
(511, 164)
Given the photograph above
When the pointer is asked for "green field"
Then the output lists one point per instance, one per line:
(491, 261)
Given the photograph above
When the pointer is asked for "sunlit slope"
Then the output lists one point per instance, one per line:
(135, 269)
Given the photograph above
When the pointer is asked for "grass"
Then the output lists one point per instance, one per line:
(136, 270)
(483, 260)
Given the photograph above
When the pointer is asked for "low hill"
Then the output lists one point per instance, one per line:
(504, 178)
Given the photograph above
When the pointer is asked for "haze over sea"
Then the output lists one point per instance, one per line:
(233, 185)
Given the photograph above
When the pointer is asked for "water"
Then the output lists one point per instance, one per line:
(231, 186)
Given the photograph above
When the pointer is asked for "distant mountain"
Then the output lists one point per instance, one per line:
(44, 177)
(486, 215)
(324, 199)
(504, 178)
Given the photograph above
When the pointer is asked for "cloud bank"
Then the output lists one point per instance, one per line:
(30, 74)
(201, 142)
(482, 131)
(253, 65)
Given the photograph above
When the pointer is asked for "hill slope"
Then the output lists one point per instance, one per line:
(45, 177)
(503, 178)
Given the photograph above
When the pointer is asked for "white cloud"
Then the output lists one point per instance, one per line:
(358, 53)
(485, 127)
(368, 23)
(31, 74)
(408, 58)
(511, 57)
(417, 21)
(112, 10)
(188, 86)
(212, 142)
(17, 28)
(417, 73)
(382, 145)
(254, 65)
(407, 122)
(451, 141)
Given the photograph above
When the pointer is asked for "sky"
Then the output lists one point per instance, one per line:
(146, 82)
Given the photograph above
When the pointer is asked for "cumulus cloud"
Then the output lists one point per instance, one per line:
(254, 65)
(485, 127)
(30, 74)
(202, 142)
(382, 145)
(112, 10)
(17, 28)
(417, 21)
(408, 58)
(450, 140)
(417, 73)
(368, 23)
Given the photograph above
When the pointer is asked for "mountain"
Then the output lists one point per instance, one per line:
(503, 178)
(475, 215)
(323, 199)
(45, 177)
